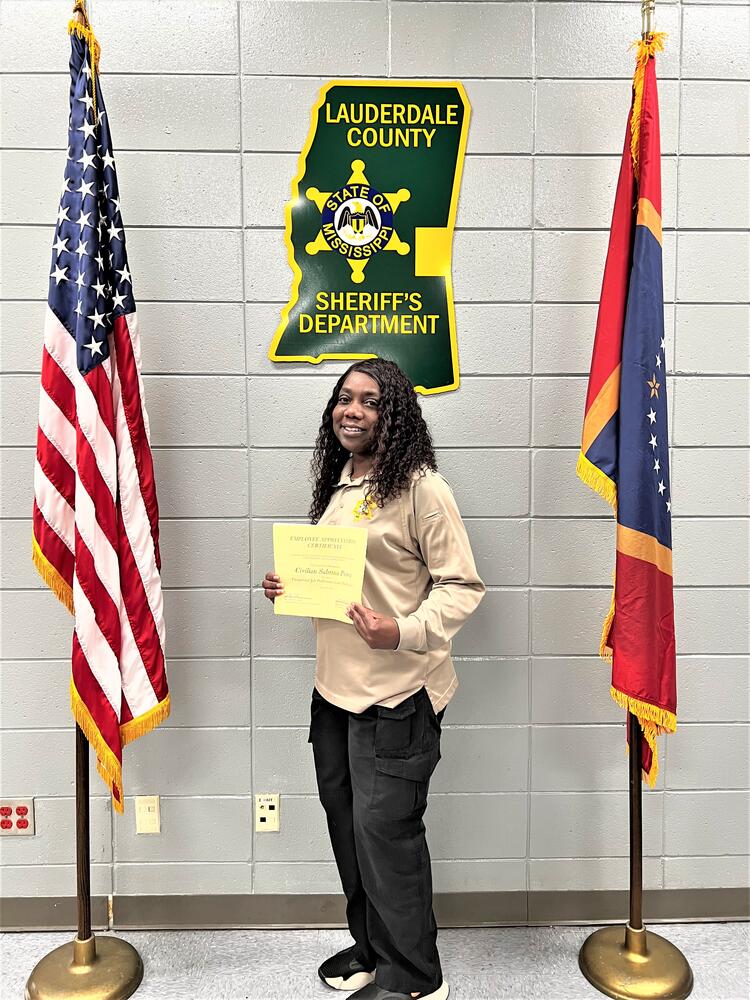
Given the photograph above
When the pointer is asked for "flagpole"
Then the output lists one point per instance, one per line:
(89, 967)
(636, 964)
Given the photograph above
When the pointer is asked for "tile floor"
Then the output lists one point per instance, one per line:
(507, 963)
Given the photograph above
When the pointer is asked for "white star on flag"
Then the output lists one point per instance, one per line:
(59, 274)
(95, 346)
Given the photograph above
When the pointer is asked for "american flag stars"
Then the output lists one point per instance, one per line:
(90, 281)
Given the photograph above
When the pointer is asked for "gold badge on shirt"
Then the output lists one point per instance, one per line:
(364, 508)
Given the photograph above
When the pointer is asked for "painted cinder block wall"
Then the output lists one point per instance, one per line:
(209, 104)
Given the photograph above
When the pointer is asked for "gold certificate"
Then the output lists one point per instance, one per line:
(322, 569)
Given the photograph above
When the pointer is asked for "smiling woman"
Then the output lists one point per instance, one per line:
(381, 686)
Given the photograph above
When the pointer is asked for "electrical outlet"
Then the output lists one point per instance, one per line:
(147, 814)
(17, 817)
(267, 817)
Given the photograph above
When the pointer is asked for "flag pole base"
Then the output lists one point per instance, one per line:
(102, 968)
(630, 964)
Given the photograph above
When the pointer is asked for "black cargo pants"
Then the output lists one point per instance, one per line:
(373, 771)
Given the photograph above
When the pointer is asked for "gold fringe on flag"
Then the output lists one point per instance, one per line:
(130, 731)
(646, 48)
(652, 720)
(59, 587)
(107, 764)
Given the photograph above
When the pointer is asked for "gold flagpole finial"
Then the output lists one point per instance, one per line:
(648, 9)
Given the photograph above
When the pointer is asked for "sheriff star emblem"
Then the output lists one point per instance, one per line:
(357, 221)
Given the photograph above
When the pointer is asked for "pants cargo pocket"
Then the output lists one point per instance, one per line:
(395, 729)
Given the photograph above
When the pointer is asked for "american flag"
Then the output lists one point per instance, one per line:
(96, 520)
(625, 448)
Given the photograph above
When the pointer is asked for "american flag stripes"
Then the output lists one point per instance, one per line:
(625, 450)
(96, 519)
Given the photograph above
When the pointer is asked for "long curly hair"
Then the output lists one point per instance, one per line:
(403, 441)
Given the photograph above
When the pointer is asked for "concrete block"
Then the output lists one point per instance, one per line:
(53, 842)
(465, 753)
(158, 189)
(492, 266)
(209, 693)
(175, 878)
(440, 39)
(563, 40)
(501, 116)
(495, 193)
(714, 192)
(303, 835)
(707, 873)
(557, 490)
(189, 762)
(712, 621)
(711, 552)
(692, 757)
(711, 411)
(506, 328)
(327, 38)
(572, 689)
(282, 691)
(205, 553)
(706, 823)
(589, 184)
(580, 552)
(187, 480)
(576, 116)
(490, 692)
(712, 339)
(713, 689)
(558, 411)
(207, 622)
(192, 830)
(180, 412)
(701, 57)
(497, 828)
(568, 621)
(592, 874)
(263, 128)
(713, 267)
(714, 116)
(579, 758)
(591, 824)
(710, 481)
(149, 37)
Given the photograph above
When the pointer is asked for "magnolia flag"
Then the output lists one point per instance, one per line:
(625, 450)
(96, 521)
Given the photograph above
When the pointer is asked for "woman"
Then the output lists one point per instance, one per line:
(381, 686)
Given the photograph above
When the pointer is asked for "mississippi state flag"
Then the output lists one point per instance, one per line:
(624, 450)
(95, 520)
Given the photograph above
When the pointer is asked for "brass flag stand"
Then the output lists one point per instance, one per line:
(633, 963)
(87, 968)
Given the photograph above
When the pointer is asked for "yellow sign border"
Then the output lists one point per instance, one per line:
(294, 296)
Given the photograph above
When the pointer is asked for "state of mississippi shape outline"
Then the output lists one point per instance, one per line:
(369, 230)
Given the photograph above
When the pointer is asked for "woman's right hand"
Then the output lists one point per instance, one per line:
(272, 586)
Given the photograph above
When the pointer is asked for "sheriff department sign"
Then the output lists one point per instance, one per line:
(369, 229)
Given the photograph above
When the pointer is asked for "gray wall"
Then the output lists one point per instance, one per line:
(209, 105)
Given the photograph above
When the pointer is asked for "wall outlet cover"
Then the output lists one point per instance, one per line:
(17, 817)
(267, 816)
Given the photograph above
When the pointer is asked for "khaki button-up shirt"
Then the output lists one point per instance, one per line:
(419, 570)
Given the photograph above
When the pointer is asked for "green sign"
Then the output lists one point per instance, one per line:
(369, 229)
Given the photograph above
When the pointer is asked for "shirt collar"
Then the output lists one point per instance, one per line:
(346, 475)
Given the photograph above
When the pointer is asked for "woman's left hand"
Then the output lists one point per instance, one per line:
(378, 631)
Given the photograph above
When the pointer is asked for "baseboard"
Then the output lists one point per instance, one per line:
(452, 909)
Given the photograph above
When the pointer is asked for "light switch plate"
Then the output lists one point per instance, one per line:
(147, 814)
(267, 817)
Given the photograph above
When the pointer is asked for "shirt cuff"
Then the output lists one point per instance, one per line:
(411, 633)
